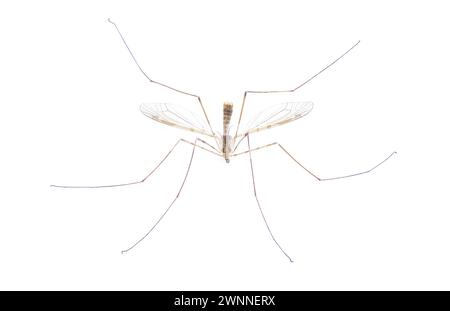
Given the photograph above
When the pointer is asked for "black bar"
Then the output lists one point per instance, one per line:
(223, 300)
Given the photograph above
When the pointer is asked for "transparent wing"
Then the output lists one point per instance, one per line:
(175, 115)
(277, 115)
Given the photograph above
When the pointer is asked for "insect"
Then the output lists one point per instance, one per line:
(224, 144)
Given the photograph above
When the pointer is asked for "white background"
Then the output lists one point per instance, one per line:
(69, 115)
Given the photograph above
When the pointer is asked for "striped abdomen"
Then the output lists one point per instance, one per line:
(227, 112)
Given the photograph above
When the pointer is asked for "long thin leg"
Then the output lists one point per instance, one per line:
(253, 149)
(338, 177)
(239, 142)
(145, 178)
(257, 201)
(165, 212)
(312, 174)
(159, 83)
(211, 146)
(291, 90)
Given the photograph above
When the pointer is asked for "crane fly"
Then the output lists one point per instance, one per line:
(224, 144)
